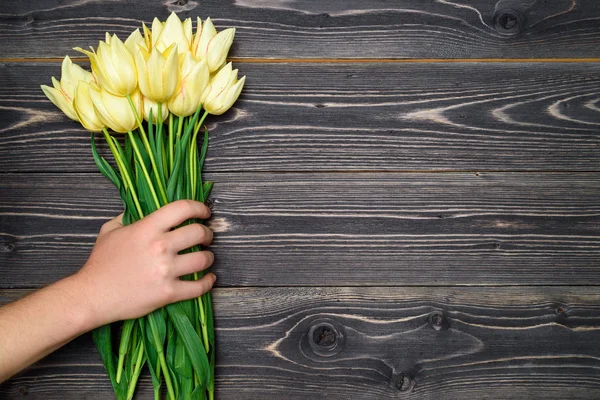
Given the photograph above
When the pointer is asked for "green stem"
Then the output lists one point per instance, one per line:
(138, 370)
(149, 150)
(199, 124)
(179, 126)
(124, 346)
(157, 389)
(144, 170)
(171, 144)
(123, 170)
(203, 323)
(161, 359)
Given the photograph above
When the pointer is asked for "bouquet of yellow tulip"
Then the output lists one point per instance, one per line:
(165, 77)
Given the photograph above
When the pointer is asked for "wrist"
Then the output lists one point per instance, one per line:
(85, 313)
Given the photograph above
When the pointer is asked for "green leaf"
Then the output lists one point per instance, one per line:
(124, 344)
(191, 341)
(151, 355)
(204, 149)
(183, 369)
(144, 192)
(206, 189)
(105, 167)
(122, 155)
(103, 341)
(199, 393)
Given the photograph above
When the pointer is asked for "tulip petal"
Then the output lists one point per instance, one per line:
(218, 48)
(58, 99)
(84, 107)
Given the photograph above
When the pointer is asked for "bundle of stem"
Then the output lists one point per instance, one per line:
(155, 167)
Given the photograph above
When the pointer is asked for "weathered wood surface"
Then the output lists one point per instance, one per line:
(335, 229)
(334, 28)
(493, 342)
(377, 116)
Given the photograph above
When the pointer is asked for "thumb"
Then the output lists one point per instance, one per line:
(111, 225)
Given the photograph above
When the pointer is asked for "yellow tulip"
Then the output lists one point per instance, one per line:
(115, 111)
(113, 66)
(194, 79)
(152, 105)
(134, 41)
(222, 91)
(211, 46)
(204, 33)
(158, 73)
(63, 92)
(172, 31)
(84, 107)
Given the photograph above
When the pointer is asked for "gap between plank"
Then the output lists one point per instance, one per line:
(351, 60)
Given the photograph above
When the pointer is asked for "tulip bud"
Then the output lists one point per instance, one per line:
(158, 73)
(152, 105)
(84, 107)
(222, 91)
(115, 111)
(113, 66)
(203, 36)
(218, 48)
(63, 92)
(134, 41)
(172, 31)
(194, 79)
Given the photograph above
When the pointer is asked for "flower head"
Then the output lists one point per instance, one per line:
(158, 72)
(172, 31)
(84, 107)
(115, 111)
(210, 45)
(113, 66)
(63, 92)
(223, 90)
(194, 79)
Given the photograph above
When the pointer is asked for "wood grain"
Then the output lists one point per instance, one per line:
(309, 29)
(388, 117)
(493, 342)
(335, 229)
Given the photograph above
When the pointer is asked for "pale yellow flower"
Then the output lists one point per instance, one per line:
(113, 66)
(158, 73)
(63, 92)
(172, 31)
(134, 41)
(223, 90)
(115, 111)
(84, 107)
(210, 45)
(194, 79)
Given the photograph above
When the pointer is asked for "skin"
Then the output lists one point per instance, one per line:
(131, 272)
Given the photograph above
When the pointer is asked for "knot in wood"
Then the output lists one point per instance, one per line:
(324, 336)
(402, 382)
(437, 320)
(508, 22)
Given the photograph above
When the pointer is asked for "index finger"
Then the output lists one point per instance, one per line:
(174, 214)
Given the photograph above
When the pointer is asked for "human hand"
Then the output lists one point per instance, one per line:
(134, 270)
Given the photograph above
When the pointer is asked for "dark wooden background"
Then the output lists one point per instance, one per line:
(418, 179)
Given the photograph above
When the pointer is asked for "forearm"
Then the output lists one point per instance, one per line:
(42, 322)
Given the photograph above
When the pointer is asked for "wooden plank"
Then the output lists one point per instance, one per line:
(306, 117)
(335, 229)
(492, 342)
(332, 29)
